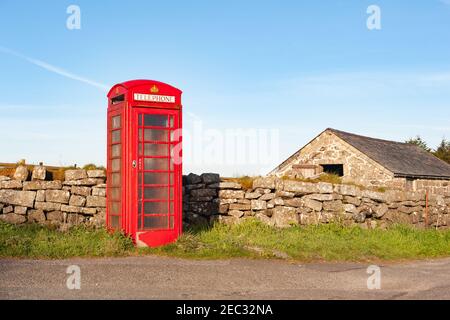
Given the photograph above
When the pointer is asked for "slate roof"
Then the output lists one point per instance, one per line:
(403, 159)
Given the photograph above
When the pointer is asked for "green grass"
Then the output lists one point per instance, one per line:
(250, 239)
(33, 241)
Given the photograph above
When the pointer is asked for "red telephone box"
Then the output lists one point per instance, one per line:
(144, 162)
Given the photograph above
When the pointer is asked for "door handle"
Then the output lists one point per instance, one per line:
(133, 164)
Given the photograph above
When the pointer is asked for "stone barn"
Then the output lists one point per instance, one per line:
(368, 162)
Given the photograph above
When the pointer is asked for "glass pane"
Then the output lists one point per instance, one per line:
(115, 179)
(115, 222)
(115, 165)
(156, 150)
(160, 222)
(140, 119)
(155, 193)
(115, 136)
(115, 122)
(115, 208)
(155, 135)
(115, 150)
(171, 207)
(115, 194)
(156, 164)
(171, 121)
(155, 207)
(156, 178)
(155, 120)
(171, 178)
(139, 178)
(171, 192)
(139, 221)
(172, 222)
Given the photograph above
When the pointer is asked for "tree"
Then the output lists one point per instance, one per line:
(419, 142)
(443, 151)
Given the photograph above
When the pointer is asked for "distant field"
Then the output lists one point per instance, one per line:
(250, 239)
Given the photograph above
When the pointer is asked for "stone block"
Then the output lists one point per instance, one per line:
(13, 218)
(82, 191)
(36, 216)
(39, 173)
(78, 201)
(58, 196)
(76, 174)
(18, 198)
(95, 174)
(258, 205)
(95, 201)
(47, 206)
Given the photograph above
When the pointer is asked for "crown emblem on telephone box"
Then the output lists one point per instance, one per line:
(154, 89)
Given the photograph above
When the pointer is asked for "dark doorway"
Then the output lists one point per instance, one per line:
(337, 169)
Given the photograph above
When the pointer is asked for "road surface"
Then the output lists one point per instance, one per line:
(154, 277)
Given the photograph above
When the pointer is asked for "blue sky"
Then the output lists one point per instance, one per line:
(294, 66)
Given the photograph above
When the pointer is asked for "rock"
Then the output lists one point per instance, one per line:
(300, 188)
(83, 182)
(380, 210)
(376, 196)
(95, 201)
(42, 185)
(192, 178)
(295, 202)
(394, 216)
(95, 174)
(313, 204)
(229, 185)
(39, 173)
(88, 211)
(352, 200)
(204, 208)
(56, 216)
(76, 174)
(21, 173)
(335, 206)
(47, 206)
(320, 197)
(72, 209)
(82, 191)
(231, 194)
(204, 193)
(325, 187)
(59, 196)
(239, 206)
(265, 219)
(36, 216)
(348, 190)
(4, 178)
(19, 198)
(350, 208)
(285, 217)
(209, 178)
(78, 201)
(236, 213)
(11, 184)
(223, 208)
(74, 219)
(252, 195)
(40, 196)
(13, 218)
(258, 205)
(20, 210)
(284, 194)
(264, 182)
(359, 217)
(227, 201)
(8, 209)
(267, 196)
(100, 192)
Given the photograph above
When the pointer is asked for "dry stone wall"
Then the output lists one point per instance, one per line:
(283, 203)
(79, 199)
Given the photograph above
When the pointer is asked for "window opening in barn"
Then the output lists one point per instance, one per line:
(337, 169)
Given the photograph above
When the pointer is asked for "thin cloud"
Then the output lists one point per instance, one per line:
(447, 2)
(54, 69)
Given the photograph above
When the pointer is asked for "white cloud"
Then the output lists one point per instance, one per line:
(55, 69)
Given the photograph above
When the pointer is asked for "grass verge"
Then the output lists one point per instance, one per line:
(250, 239)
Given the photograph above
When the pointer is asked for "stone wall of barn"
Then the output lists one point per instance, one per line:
(327, 148)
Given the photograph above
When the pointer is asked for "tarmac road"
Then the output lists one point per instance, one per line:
(154, 277)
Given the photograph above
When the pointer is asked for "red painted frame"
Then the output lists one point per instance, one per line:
(121, 100)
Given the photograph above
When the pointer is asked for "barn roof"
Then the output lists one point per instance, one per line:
(403, 159)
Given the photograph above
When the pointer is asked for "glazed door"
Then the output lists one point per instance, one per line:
(158, 176)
